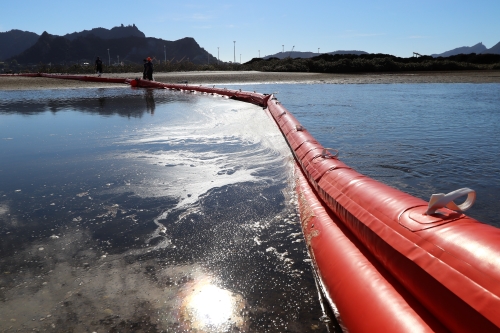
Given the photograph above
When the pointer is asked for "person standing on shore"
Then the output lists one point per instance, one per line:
(149, 69)
(98, 66)
(145, 71)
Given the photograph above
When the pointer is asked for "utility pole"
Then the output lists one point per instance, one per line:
(234, 51)
(318, 50)
(283, 50)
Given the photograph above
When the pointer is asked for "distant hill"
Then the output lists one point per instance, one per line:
(305, 55)
(348, 52)
(373, 62)
(494, 50)
(125, 44)
(113, 33)
(478, 48)
(15, 41)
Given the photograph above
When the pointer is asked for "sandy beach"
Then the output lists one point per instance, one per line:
(222, 78)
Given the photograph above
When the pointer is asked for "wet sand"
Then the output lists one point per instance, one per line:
(221, 78)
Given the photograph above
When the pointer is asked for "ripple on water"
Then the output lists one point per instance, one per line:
(151, 210)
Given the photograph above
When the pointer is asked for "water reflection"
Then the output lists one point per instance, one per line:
(105, 102)
(115, 222)
(206, 307)
(150, 100)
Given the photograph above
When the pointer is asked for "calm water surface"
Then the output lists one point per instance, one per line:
(138, 210)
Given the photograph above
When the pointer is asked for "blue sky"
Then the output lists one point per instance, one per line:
(383, 26)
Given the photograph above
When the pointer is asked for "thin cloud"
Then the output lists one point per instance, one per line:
(195, 17)
(356, 34)
(205, 6)
(203, 27)
(418, 37)
(200, 17)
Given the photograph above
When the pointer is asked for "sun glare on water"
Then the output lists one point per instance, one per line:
(209, 308)
(212, 305)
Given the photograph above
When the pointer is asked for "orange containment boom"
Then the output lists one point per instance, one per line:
(384, 260)
(71, 77)
(448, 262)
(254, 98)
(365, 294)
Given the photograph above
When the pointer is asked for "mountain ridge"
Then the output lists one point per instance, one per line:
(495, 49)
(115, 32)
(119, 44)
(15, 41)
(128, 43)
(478, 48)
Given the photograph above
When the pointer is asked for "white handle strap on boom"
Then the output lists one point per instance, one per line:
(327, 153)
(441, 200)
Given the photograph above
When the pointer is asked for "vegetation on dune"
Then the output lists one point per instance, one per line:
(350, 63)
(325, 63)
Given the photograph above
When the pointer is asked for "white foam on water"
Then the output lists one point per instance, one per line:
(195, 160)
(219, 143)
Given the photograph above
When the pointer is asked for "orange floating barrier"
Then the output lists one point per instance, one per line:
(447, 261)
(365, 294)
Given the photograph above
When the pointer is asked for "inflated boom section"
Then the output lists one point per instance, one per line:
(254, 98)
(447, 261)
(359, 286)
(382, 262)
